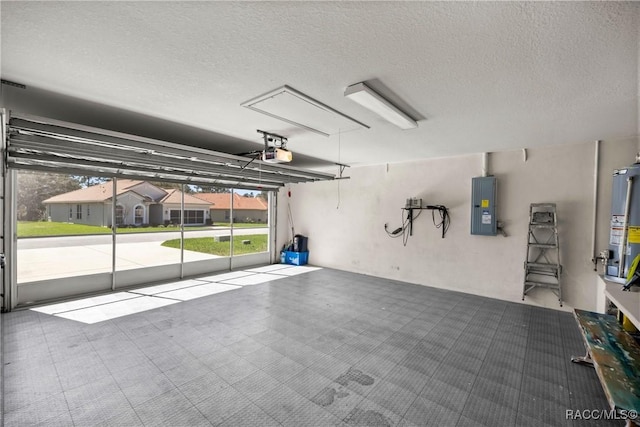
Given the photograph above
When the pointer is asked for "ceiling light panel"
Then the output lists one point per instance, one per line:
(296, 108)
(370, 99)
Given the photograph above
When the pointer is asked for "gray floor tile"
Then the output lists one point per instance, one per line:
(97, 411)
(330, 367)
(283, 369)
(128, 418)
(392, 397)
(454, 376)
(423, 364)
(461, 362)
(545, 390)
(485, 412)
(250, 416)
(407, 378)
(308, 383)
(429, 349)
(172, 358)
(445, 395)
(162, 407)
(235, 371)
(281, 402)
(546, 412)
(501, 374)
(402, 341)
(256, 385)
(523, 420)
(189, 417)
(497, 392)
(186, 372)
(245, 346)
(218, 358)
(368, 413)
(310, 414)
(222, 405)
(147, 389)
(91, 391)
(203, 387)
(263, 357)
(375, 365)
(424, 412)
(389, 352)
(267, 336)
(39, 411)
(337, 399)
(17, 396)
(469, 360)
(356, 380)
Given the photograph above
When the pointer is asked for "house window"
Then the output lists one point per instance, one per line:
(119, 215)
(138, 213)
(175, 216)
(70, 213)
(78, 211)
(88, 210)
(190, 217)
(194, 217)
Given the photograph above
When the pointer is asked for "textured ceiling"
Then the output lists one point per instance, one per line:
(481, 76)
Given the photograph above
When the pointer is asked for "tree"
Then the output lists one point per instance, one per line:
(263, 195)
(188, 189)
(34, 187)
(88, 181)
(212, 189)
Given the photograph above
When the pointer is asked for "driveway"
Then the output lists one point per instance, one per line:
(42, 258)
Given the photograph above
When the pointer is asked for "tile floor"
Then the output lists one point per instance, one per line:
(321, 348)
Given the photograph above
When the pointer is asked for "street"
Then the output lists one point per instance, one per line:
(105, 239)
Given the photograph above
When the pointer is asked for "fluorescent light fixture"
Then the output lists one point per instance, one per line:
(368, 98)
(294, 107)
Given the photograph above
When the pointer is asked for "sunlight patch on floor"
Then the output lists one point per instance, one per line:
(110, 306)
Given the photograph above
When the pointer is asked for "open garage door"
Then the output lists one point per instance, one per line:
(123, 210)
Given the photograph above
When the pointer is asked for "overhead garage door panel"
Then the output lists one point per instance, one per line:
(37, 143)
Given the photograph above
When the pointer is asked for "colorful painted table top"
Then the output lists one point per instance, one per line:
(616, 357)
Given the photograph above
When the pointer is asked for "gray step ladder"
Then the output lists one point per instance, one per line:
(542, 267)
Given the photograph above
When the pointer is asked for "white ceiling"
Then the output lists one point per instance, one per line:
(481, 76)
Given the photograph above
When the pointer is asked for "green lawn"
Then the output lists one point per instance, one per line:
(44, 228)
(208, 245)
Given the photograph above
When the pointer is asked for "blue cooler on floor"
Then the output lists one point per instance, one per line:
(294, 258)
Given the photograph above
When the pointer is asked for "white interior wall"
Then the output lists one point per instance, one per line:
(345, 219)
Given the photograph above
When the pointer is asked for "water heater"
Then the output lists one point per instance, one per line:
(624, 231)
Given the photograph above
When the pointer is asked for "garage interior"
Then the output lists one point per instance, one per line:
(411, 310)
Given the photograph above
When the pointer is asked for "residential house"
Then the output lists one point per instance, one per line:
(137, 203)
(245, 209)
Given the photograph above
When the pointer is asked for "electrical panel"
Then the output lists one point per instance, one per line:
(483, 206)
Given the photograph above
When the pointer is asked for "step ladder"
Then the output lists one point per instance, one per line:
(542, 267)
